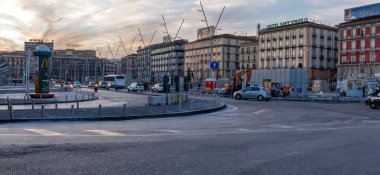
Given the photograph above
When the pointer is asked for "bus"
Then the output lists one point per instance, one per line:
(115, 81)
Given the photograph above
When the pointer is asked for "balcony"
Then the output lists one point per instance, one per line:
(301, 34)
(314, 56)
(322, 36)
(314, 34)
(329, 37)
(321, 57)
(353, 50)
(328, 46)
(328, 58)
(322, 45)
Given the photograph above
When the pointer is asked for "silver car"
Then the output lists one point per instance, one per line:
(254, 92)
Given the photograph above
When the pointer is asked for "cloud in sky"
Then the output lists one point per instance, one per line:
(94, 23)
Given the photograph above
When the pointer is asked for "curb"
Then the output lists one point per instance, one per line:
(119, 118)
(50, 102)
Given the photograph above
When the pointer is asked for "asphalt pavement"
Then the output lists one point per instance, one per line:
(249, 137)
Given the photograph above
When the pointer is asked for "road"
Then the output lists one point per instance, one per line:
(249, 137)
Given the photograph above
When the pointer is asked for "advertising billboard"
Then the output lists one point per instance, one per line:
(361, 12)
(205, 32)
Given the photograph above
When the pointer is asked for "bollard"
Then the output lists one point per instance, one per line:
(9, 103)
(11, 112)
(180, 106)
(146, 108)
(43, 111)
(77, 104)
(164, 108)
(56, 104)
(66, 98)
(100, 107)
(124, 109)
(32, 104)
(72, 110)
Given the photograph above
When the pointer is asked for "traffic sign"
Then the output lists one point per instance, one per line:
(299, 90)
(214, 65)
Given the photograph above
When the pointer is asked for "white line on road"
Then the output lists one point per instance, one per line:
(261, 111)
(104, 132)
(44, 132)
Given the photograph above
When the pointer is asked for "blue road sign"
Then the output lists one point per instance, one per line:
(299, 90)
(214, 65)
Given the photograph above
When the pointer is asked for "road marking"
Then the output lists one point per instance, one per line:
(170, 131)
(261, 111)
(44, 132)
(107, 133)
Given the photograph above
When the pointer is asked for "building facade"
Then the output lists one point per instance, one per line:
(225, 51)
(15, 60)
(168, 59)
(248, 55)
(300, 44)
(79, 65)
(143, 64)
(128, 66)
(359, 54)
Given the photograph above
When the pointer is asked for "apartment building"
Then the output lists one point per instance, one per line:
(248, 55)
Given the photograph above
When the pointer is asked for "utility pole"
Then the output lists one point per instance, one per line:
(212, 33)
(171, 53)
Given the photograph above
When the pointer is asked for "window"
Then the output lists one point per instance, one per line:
(362, 33)
(353, 33)
(362, 43)
(301, 41)
(372, 57)
(294, 42)
(373, 30)
(344, 45)
(353, 58)
(344, 33)
(301, 52)
(362, 58)
(372, 43)
(344, 59)
(293, 52)
(353, 45)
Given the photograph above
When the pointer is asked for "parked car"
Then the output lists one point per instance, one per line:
(372, 93)
(103, 85)
(374, 99)
(136, 87)
(158, 87)
(77, 85)
(254, 92)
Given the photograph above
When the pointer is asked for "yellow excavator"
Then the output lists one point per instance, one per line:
(240, 75)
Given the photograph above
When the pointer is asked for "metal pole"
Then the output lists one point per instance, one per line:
(56, 104)
(99, 112)
(43, 111)
(124, 109)
(180, 106)
(72, 110)
(11, 112)
(32, 104)
(77, 104)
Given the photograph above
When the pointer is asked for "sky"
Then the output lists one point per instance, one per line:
(94, 23)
